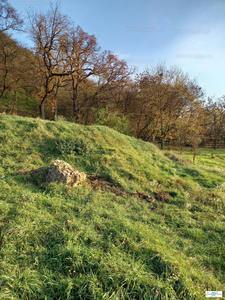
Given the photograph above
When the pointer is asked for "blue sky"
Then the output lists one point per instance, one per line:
(186, 33)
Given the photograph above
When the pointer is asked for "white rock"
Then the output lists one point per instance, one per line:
(61, 171)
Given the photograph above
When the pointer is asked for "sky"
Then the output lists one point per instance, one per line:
(187, 33)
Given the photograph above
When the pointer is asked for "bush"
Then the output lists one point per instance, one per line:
(72, 146)
(61, 119)
(111, 119)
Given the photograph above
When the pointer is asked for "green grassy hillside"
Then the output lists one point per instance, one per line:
(112, 237)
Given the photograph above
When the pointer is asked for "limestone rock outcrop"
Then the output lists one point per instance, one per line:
(61, 171)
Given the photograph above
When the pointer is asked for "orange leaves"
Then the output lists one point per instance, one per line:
(164, 98)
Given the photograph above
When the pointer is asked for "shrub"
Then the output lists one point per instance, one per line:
(111, 119)
(72, 146)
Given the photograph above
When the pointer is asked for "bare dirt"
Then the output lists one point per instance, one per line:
(97, 182)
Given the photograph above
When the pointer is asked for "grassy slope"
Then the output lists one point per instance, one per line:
(63, 243)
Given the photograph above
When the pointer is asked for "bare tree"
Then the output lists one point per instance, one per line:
(111, 74)
(49, 32)
(9, 18)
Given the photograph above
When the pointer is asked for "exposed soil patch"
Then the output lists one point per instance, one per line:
(100, 183)
(97, 182)
(162, 196)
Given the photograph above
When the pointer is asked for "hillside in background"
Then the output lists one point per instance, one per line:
(147, 224)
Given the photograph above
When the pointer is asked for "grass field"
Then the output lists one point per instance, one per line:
(106, 241)
(207, 157)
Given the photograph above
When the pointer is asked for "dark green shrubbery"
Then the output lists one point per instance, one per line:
(72, 146)
(112, 120)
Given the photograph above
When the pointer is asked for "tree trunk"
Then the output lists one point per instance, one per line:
(15, 103)
(87, 116)
(75, 109)
(55, 103)
(41, 107)
(215, 144)
(2, 94)
(162, 144)
(194, 154)
(55, 111)
(181, 148)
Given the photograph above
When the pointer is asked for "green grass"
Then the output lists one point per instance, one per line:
(59, 242)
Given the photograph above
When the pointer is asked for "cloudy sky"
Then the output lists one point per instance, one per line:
(186, 33)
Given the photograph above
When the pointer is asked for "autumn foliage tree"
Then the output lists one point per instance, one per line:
(71, 53)
(190, 128)
(67, 70)
(80, 52)
(162, 96)
(195, 129)
(49, 32)
(111, 75)
(13, 65)
(215, 114)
